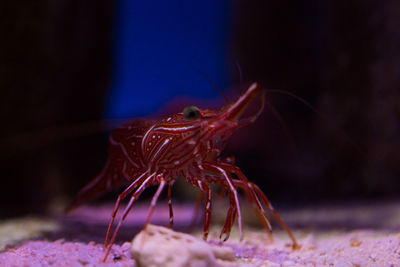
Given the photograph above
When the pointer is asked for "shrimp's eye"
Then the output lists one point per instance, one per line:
(191, 112)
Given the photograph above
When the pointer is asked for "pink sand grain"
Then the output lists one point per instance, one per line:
(60, 253)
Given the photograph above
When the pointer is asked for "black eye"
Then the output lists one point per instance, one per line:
(191, 112)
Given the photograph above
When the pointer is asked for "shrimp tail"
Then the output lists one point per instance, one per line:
(94, 189)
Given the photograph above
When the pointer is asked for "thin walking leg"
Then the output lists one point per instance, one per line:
(171, 211)
(229, 221)
(121, 197)
(206, 189)
(196, 212)
(258, 193)
(154, 201)
(134, 197)
(232, 192)
(276, 215)
(255, 203)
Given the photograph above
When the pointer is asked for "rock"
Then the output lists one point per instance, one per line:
(160, 246)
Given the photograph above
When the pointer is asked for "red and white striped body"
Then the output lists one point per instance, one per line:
(188, 145)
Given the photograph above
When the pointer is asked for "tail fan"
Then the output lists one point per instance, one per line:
(101, 184)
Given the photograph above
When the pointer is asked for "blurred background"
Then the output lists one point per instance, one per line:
(66, 63)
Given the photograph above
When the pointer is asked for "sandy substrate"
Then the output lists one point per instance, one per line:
(348, 235)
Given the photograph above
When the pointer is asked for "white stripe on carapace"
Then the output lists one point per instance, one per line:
(145, 136)
(184, 156)
(115, 143)
(158, 151)
(127, 156)
(176, 129)
(176, 145)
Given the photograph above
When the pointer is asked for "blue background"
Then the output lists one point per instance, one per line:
(158, 48)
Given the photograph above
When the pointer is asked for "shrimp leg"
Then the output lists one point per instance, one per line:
(134, 197)
(257, 193)
(234, 200)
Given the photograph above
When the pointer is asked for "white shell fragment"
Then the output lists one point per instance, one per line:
(160, 246)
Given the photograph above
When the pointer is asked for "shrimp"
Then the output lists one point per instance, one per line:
(188, 145)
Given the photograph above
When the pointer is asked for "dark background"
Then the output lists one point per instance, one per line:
(343, 57)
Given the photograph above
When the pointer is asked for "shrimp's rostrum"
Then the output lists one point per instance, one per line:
(187, 144)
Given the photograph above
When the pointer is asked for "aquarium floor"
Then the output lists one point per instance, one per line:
(348, 234)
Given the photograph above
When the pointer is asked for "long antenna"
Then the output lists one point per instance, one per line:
(239, 68)
(285, 129)
(213, 84)
(321, 115)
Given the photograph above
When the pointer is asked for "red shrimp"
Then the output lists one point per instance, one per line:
(188, 145)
